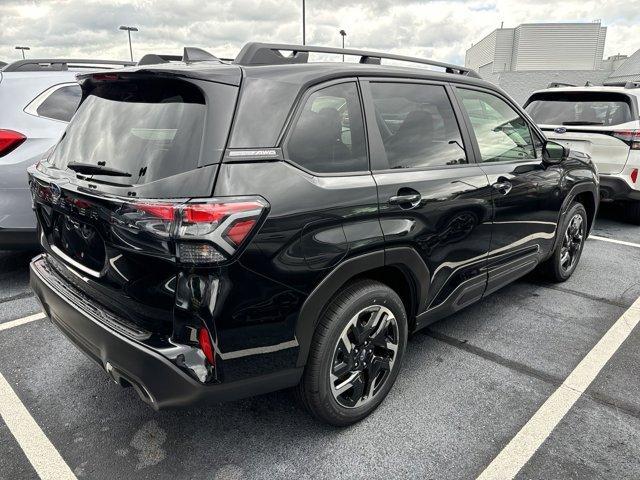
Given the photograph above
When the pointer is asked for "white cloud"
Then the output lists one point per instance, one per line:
(438, 29)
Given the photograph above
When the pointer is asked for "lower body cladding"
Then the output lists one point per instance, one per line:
(150, 371)
(615, 187)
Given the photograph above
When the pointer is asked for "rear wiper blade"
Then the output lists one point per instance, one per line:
(582, 123)
(89, 169)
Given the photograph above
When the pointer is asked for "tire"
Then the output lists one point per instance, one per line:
(632, 211)
(362, 307)
(556, 268)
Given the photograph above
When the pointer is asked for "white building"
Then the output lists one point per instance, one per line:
(539, 46)
(628, 71)
(530, 56)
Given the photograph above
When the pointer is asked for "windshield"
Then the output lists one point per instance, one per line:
(579, 108)
(146, 128)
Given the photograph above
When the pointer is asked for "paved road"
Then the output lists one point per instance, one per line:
(469, 383)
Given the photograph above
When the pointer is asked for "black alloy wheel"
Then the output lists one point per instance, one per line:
(355, 354)
(364, 356)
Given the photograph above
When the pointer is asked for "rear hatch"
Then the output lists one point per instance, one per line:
(139, 148)
(595, 123)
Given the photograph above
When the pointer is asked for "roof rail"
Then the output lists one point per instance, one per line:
(561, 84)
(625, 84)
(61, 64)
(190, 54)
(255, 53)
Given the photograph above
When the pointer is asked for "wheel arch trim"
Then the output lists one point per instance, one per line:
(584, 187)
(406, 258)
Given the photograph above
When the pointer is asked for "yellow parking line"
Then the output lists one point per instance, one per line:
(34, 443)
(21, 321)
(527, 441)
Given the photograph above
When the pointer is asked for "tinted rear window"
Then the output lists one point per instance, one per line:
(580, 108)
(61, 104)
(149, 128)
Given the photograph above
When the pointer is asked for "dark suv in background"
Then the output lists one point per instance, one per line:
(215, 230)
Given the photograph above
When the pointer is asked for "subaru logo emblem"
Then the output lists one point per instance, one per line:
(560, 130)
(56, 192)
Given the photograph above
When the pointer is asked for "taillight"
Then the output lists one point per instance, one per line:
(634, 175)
(9, 141)
(204, 340)
(630, 137)
(204, 232)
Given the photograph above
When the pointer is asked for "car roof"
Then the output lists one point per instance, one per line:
(299, 73)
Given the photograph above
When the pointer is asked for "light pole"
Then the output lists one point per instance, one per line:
(343, 34)
(23, 49)
(304, 33)
(129, 30)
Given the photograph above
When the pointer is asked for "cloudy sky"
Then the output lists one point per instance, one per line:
(437, 29)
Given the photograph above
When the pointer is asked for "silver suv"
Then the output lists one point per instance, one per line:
(38, 98)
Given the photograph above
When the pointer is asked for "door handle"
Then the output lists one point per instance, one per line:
(503, 187)
(412, 199)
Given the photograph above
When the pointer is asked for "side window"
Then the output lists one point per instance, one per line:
(417, 125)
(61, 104)
(501, 132)
(328, 136)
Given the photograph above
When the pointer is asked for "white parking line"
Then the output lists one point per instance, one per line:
(611, 240)
(21, 321)
(522, 447)
(34, 443)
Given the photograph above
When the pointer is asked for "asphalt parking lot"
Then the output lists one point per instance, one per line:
(469, 384)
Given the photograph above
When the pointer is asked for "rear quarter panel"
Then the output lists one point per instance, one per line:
(313, 223)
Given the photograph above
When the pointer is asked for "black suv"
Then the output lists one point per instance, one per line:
(214, 230)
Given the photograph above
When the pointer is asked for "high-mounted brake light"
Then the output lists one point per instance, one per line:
(634, 175)
(9, 141)
(102, 77)
(204, 232)
(630, 137)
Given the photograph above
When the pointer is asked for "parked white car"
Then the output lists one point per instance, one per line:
(38, 97)
(604, 122)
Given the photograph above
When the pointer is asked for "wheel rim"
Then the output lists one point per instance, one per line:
(572, 243)
(364, 356)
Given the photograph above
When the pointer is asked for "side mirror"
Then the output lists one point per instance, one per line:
(553, 153)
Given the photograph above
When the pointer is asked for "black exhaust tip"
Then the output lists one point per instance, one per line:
(125, 382)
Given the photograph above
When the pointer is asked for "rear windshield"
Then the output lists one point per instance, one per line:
(579, 108)
(147, 128)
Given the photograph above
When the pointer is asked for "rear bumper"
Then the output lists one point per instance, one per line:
(613, 187)
(157, 380)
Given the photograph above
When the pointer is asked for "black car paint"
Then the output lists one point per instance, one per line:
(463, 241)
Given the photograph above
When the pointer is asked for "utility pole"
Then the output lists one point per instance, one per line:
(304, 33)
(129, 30)
(344, 34)
(23, 49)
